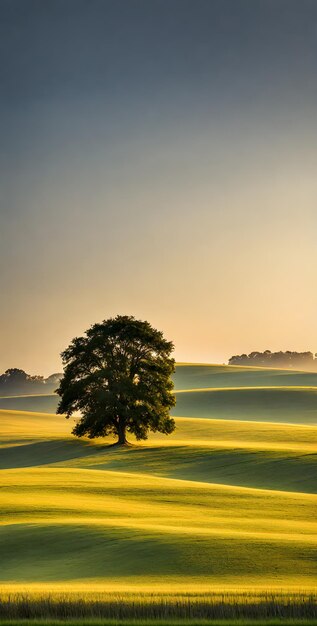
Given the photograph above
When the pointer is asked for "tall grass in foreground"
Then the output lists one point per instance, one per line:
(160, 607)
(169, 622)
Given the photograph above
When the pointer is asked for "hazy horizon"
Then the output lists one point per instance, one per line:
(304, 367)
(158, 160)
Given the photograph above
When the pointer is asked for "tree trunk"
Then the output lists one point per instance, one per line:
(121, 433)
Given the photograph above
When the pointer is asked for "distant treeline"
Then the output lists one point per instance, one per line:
(288, 359)
(15, 381)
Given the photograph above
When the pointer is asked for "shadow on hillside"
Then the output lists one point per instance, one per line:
(41, 404)
(267, 469)
(292, 405)
(280, 470)
(45, 452)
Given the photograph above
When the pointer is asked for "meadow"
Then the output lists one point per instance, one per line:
(222, 392)
(216, 521)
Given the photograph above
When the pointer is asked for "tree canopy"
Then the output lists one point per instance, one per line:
(118, 377)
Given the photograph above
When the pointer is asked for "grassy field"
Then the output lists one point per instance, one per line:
(223, 392)
(221, 506)
(191, 376)
(274, 456)
(155, 610)
(97, 525)
(60, 621)
(295, 405)
(40, 403)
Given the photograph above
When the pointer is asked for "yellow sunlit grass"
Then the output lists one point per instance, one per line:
(221, 505)
(117, 524)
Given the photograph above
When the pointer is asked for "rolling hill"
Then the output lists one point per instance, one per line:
(200, 376)
(223, 392)
(216, 451)
(75, 525)
(221, 503)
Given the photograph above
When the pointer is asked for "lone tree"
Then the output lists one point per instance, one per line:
(118, 376)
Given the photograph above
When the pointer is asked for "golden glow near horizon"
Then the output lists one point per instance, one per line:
(218, 279)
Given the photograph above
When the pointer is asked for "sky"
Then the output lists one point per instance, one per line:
(158, 158)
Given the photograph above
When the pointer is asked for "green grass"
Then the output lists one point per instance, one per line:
(279, 621)
(222, 505)
(164, 610)
(274, 456)
(76, 519)
(71, 524)
(296, 405)
(192, 376)
(264, 469)
(41, 403)
(223, 392)
(293, 405)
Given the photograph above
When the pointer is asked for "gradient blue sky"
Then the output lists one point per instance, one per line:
(158, 158)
